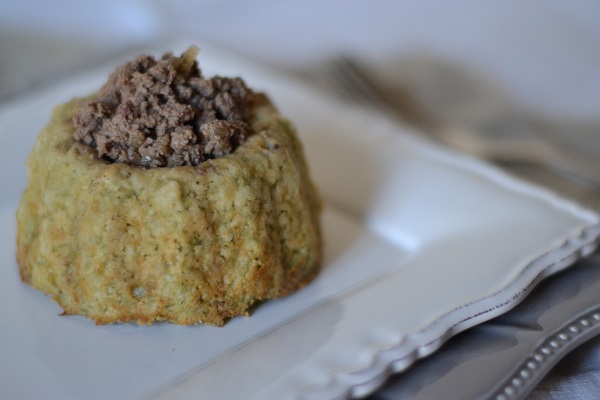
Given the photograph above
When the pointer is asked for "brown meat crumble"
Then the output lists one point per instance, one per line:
(163, 113)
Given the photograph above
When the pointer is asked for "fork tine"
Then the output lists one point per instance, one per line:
(350, 80)
(355, 82)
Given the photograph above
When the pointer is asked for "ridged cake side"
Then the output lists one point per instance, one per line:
(119, 243)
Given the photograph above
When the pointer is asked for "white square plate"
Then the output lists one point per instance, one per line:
(421, 243)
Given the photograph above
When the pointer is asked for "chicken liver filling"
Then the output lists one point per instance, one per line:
(164, 113)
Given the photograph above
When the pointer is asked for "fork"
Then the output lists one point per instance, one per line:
(510, 141)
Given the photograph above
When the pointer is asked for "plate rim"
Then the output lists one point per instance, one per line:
(574, 246)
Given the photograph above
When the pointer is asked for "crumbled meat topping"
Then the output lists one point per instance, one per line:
(163, 113)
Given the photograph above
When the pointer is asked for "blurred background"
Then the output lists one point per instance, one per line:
(544, 53)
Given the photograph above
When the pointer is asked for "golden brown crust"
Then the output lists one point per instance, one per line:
(187, 245)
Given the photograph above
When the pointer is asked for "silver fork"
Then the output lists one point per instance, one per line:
(508, 140)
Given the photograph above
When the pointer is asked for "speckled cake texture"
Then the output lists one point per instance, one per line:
(187, 244)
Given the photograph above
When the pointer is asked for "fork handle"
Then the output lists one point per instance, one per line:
(581, 169)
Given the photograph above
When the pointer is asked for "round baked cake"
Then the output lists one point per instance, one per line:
(167, 196)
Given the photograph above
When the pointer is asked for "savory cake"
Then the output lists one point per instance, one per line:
(167, 196)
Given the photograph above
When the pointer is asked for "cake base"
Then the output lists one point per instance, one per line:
(187, 245)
